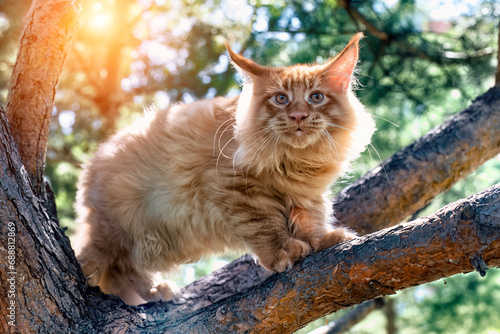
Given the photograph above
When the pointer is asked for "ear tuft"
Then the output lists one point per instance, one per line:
(248, 67)
(340, 69)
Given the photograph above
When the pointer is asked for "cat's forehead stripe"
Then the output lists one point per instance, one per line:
(299, 77)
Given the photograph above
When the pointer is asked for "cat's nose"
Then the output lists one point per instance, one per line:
(298, 116)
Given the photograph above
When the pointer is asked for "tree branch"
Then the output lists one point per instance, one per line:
(357, 16)
(441, 58)
(46, 39)
(352, 318)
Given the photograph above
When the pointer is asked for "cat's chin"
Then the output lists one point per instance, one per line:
(300, 139)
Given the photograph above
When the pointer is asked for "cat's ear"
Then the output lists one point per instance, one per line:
(339, 70)
(245, 66)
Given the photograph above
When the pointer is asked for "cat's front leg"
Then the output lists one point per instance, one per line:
(271, 242)
(311, 226)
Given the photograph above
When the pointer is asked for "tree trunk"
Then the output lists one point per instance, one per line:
(48, 30)
(41, 285)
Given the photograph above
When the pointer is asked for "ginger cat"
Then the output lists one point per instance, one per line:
(245, 173)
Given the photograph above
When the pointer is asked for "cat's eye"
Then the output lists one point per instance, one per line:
(281, 98)
(316, 97)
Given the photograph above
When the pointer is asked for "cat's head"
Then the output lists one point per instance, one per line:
(303, 107)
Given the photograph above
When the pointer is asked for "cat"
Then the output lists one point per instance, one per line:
(245, 173)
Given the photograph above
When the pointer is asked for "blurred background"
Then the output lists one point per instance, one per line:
(421, 62)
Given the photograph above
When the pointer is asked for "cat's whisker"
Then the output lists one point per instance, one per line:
(221, 152)
(331, 142)
(243, 149)
(275, 148)
(242, 146)
(322, 136)
(338, 126)
(370, 154)
(222, 133)
(215, 135)
(381, 162)
(261, 145)
(385, 119)
(337, 143)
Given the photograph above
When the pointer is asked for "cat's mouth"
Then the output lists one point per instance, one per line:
(299, 136)
(300, 132)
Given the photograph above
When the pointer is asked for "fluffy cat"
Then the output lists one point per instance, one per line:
(244, 173)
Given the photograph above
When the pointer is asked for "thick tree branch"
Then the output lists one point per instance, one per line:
(46, 39)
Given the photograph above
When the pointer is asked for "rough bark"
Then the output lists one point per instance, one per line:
(39, 275)
(46, 38)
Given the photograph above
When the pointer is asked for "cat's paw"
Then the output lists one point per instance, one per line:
(91, 271)
(164, 291)
(292, 251)
(334, 237)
